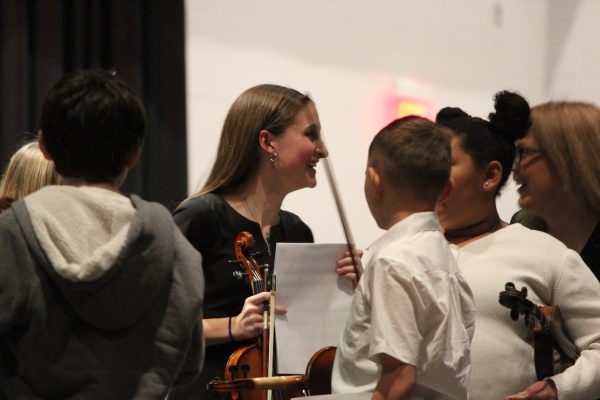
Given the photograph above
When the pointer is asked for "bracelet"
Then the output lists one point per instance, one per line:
(230, 335)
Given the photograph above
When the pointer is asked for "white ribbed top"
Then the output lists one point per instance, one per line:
(502, 349)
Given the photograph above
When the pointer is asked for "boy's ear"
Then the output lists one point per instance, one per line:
(375, 180)
(42, 146)
(447, 191)
(493, 175)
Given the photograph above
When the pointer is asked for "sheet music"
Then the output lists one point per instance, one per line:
(317, 302)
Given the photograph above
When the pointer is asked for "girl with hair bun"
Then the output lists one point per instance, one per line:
(491, 253)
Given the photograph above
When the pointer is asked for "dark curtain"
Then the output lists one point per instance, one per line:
(143, 40)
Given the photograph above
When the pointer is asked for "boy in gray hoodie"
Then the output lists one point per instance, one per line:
(100, 294)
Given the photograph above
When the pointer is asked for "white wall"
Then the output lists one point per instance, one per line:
(348, 54)
(574, 50)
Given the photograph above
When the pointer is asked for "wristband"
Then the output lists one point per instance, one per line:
(230, 335)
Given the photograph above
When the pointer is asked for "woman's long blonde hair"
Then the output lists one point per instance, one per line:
(569, 132)
(27, 171)
(269, 107)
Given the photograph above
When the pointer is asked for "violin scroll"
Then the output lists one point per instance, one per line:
(548, 331)
(516, 301)
(252, 273)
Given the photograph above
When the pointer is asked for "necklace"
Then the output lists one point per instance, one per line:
(265, 234)
(249, 210)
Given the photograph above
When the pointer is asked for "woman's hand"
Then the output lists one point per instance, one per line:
(345, 268)
(540, 390)
(248, 323)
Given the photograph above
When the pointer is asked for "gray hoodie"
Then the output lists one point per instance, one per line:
(100, 297)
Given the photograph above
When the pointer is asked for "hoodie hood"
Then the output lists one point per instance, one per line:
(109, 255)
(82, 230)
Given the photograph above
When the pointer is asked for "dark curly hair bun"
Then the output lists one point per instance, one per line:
(450, 113)
(512, 116)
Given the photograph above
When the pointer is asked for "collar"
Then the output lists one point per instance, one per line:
(417, 222)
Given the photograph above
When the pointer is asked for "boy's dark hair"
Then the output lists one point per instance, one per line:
(91, 122)
(494, 140)
(413, 153)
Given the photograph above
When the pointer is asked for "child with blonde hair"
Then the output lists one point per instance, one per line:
(27, 171)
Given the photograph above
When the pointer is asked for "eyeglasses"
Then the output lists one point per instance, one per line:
(521, 151)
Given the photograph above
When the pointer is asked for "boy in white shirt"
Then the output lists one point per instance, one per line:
(412, 317)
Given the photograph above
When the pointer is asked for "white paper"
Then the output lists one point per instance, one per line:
(317, 302)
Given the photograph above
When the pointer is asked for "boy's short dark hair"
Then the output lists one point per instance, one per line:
(91, 122)
(413, 153)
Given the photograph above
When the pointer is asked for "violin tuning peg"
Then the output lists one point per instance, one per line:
(524, 291)
(239, 275)
(257, 254)
(514, 314)
(509, 285)
(263, 266)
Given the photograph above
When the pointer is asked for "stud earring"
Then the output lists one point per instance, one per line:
(273, 157)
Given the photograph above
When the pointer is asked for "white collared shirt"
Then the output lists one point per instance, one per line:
(413, 305)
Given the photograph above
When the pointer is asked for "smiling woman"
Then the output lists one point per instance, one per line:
(270, 145)
(296, 152)
(561, 184)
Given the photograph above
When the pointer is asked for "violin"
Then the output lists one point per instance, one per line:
(317, 380)
(548, 333)
(249, 371)
(319, 371)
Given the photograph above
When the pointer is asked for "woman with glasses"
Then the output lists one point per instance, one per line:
(558, 170)
(491, 253)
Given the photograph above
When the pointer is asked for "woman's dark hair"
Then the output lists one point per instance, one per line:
(486, 141)
(91, 122)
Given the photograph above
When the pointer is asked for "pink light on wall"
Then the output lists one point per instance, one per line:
(401, 106)
(393, 98)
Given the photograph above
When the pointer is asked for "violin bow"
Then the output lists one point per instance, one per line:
(358, 268)
(271, 332)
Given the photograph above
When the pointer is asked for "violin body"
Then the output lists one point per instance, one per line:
(319, 370)
(246, 381)
(317, 380)
(245, 362)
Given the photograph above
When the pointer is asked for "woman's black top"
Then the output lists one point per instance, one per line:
(591, 252)
(211, 225)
